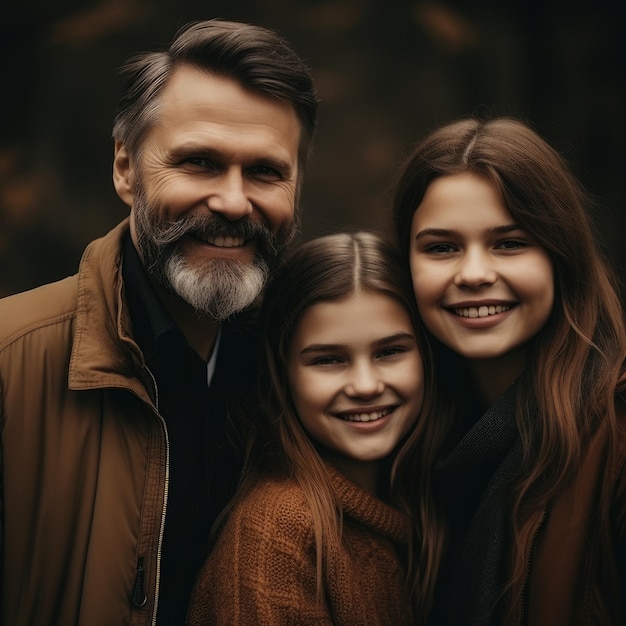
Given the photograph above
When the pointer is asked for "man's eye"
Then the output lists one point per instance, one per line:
(198, 161)
(265, 171)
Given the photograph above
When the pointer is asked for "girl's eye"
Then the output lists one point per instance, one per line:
(326, 360)
(390, 352)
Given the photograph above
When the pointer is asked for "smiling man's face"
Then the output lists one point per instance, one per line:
(213, 191)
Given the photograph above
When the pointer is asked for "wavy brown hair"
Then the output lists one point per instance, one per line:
(577, 359)
(325, 269)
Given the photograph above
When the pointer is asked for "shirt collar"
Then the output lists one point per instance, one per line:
(151, 322)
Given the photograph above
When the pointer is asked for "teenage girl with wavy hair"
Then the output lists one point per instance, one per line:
(523, 492)
(319, 530)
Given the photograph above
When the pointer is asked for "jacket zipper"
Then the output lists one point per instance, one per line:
(139, 597)
(528, 564)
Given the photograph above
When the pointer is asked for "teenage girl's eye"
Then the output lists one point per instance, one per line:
(512, 244)
(440, 248)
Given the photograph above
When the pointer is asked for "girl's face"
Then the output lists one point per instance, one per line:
(483, 286)
(356, 377)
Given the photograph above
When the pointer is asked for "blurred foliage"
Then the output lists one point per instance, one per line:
(386, 71)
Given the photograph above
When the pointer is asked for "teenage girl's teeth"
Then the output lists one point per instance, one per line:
(226, 242)
(482, 311)
(365, 417)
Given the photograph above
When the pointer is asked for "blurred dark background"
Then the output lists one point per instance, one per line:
(387, 71)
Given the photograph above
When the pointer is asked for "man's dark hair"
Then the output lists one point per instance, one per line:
(257, 58)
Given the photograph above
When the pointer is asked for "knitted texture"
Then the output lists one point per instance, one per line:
(262, 569)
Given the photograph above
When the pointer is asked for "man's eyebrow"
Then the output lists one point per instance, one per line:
(189, 149)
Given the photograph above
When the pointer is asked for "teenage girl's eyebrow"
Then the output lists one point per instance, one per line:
(434, 232)
(330, 347)
(450, 232)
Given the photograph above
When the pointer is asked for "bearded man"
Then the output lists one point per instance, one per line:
(117, 384)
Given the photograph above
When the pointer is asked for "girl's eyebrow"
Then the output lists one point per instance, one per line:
(400, 336)
(321, 347)
(326, 347)
(449, 232)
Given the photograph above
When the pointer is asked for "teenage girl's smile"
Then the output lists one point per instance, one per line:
(480, 313)
(484, 287)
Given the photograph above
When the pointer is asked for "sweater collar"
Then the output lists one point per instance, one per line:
(368, 510)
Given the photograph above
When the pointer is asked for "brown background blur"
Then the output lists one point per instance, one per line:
(387, 71)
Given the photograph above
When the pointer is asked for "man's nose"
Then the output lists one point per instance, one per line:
(228, 195)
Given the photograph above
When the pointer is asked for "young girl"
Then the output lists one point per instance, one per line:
(319, 531)
(524, 491)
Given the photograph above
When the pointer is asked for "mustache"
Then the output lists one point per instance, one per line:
(215, 225)
(203, 226)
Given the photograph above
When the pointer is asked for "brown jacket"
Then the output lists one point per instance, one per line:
(262, 571)
(84, 467)
(575, 579)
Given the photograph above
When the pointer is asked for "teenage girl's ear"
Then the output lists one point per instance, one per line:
(123, 174)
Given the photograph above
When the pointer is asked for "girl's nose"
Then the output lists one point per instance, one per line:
(364, 381)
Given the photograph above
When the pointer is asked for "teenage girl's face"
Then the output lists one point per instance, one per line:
(484, 287)
(356, 376)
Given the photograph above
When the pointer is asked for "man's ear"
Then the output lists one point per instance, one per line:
(123, 174)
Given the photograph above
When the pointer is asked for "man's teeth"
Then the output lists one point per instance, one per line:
(365, 417)
(226, 242)
(482, 311)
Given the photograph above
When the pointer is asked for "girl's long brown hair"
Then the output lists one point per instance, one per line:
(326, 269)
(577, 359)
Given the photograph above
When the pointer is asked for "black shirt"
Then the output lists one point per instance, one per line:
(203, 465)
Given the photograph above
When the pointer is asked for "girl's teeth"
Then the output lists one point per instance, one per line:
(365, 417)
(482, 311)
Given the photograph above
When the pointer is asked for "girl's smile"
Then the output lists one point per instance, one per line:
(356, 377)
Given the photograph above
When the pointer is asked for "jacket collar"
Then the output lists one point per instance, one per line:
(104, 354)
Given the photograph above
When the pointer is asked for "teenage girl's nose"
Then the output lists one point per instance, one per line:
(475, 269)
(228, 195)
(364, 381)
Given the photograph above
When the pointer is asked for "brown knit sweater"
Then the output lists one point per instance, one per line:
(262, 569)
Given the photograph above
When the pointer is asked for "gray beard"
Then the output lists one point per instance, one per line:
(220, 288)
